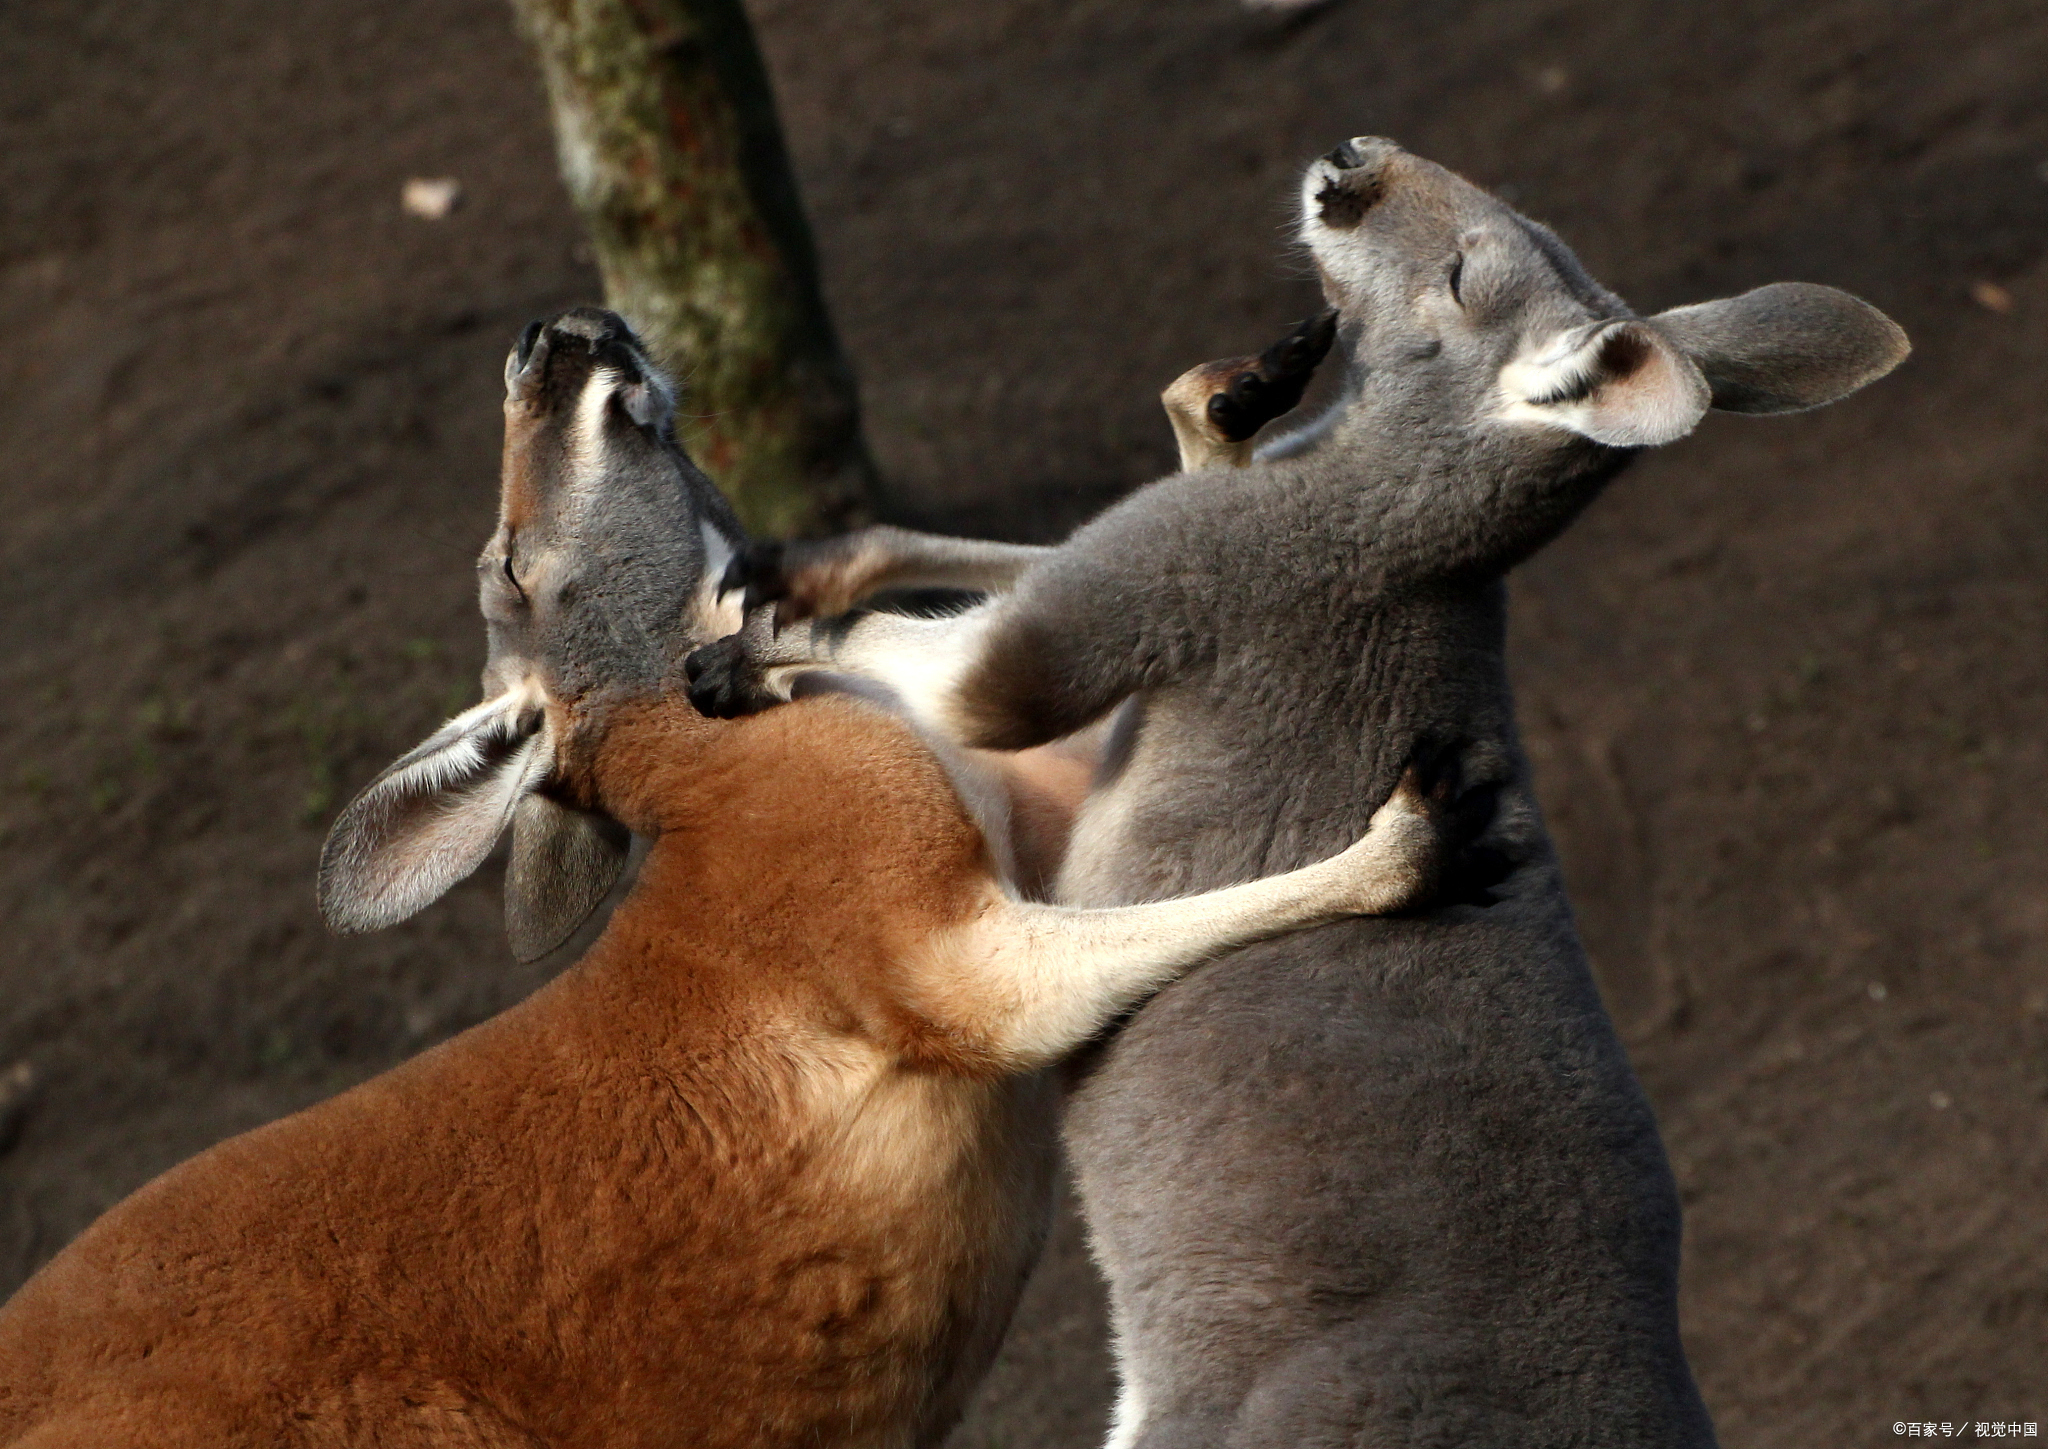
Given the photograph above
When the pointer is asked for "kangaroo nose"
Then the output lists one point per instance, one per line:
(553, 358)
(1361, 151)
(593, 325)
(1357, 179)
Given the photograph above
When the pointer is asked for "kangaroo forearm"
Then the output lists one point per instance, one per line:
(1036, 981)
(1029, 666)
(902, 559)
(831, 576)
(1052, 660)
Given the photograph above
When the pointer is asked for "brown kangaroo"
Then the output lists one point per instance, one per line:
(765, 1167)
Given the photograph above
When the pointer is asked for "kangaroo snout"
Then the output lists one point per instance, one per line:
(554, 360)
(1352, 177)
(1361, 151)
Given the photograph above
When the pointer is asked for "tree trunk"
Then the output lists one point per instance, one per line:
(673, 154)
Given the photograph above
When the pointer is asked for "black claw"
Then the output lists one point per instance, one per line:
(1298, 353)
(756, 568)
(1464, 811)
(1434, 766)
(1274, 384)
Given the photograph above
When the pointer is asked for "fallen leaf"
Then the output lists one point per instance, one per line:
(1991, 297)
(431, 197)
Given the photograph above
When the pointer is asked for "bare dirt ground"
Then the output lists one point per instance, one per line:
(1784, 687)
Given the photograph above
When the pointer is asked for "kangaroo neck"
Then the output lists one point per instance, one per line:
(1454, 501)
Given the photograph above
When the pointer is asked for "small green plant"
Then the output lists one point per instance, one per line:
(316, 737)
(277, 1049)
(164, 718)
(328, 727)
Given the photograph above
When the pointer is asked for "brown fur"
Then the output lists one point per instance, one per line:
(715, 1184)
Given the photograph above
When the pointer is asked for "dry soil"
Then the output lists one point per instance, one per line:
(1784, 686)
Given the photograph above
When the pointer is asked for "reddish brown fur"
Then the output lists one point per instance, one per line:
(519, 492)
(715, 1184)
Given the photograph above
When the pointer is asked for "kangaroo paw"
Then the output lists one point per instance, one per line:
(1436, 784)
(1217, 407)
(724, 681)
(808, 580)
(1266, 386)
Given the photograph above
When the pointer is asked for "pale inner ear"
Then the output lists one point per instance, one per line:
(433, 815)
(1618, 383)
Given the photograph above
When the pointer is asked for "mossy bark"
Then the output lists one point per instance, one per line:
(673, 154)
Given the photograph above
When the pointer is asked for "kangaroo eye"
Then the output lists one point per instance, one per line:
(1456, 277)
(513, 579)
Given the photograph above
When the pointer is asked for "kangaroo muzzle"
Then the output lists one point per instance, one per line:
(1358, 173)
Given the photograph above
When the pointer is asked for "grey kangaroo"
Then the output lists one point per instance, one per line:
(1389, 1182)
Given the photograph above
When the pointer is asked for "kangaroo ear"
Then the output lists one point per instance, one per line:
(1619, 383)
(1785, 347)
(432, 816)
(564, 861)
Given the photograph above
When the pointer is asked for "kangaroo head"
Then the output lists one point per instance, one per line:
(600, 578)
(1441, 286)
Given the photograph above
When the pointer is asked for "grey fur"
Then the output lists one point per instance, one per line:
(563, 863)
(583, 591)
(1739, 344)
(1391, 1182)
